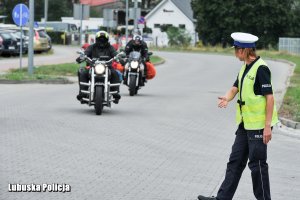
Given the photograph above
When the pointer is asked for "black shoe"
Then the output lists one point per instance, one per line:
(117, 97)
(79, 97)
(200, 197)
(142, 83)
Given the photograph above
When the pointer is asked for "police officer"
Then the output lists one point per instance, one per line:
(102, 47)
(256, 115)
(137, 44)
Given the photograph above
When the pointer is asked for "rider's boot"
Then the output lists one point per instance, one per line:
(117, 97)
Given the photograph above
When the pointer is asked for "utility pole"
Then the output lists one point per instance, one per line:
(81, 16)
(126, 19)
(30, 47)
(135, 14)
(46, 11)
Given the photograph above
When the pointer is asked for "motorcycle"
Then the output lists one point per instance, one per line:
(134, 72)
(99, 92)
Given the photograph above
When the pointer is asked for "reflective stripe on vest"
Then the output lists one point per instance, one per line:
(253, 110)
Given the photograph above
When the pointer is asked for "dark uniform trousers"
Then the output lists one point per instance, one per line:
(248, 144)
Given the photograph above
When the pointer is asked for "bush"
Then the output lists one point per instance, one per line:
(178, 37)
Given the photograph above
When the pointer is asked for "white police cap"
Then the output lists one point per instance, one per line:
(244, 40)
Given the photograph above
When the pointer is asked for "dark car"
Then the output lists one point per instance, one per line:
(9, 43)
(41, 40)
(25, 41)
(1, 45)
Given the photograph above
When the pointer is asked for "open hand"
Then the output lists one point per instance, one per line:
(222, 102)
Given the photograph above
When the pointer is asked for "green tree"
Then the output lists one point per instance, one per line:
(7, 7)
(295, 27)
(269, 20)
(56, 9)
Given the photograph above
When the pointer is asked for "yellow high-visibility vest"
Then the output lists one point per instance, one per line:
(251, 108)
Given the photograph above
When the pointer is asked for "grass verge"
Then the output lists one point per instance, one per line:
(290, 107)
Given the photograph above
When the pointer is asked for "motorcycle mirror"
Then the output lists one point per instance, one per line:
(80, 51)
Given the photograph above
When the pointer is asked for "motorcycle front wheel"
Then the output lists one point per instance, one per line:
(132, 85)
(98, 100)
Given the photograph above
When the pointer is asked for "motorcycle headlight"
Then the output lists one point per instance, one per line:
(134, 64)
(99, 69)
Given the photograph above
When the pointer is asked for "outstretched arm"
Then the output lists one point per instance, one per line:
(223, 100)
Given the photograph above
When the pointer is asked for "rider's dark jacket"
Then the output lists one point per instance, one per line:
(96, 51)
(142, 48)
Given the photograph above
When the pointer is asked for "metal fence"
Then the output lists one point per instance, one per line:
(290, 45)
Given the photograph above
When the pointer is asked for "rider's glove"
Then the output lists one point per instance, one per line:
(79, 60)
(122, 62)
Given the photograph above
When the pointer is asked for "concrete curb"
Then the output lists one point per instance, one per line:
(53, 81)
(290, 123)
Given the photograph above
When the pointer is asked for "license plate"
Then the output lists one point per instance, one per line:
(11, 47)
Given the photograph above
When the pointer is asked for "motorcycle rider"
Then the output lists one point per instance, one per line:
(102, 47)
(137, 44)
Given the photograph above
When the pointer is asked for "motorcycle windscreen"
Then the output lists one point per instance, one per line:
(135, 55)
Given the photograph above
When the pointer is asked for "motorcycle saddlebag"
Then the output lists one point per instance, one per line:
(118, 66)
(151, 72)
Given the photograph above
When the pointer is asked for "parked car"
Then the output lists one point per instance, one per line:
(41, 40)
(1, 45)
(10, 44)
(25, 40)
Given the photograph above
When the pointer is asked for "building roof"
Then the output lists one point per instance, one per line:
(97, 2)
(183, 5)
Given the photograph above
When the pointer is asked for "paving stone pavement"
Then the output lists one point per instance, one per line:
(170, 142)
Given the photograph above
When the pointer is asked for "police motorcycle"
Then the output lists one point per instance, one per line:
(134, 72)
(99, 92)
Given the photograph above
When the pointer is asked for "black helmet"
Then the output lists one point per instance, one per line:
(102, 38)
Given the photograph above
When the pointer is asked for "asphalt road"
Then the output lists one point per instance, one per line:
(170, 142)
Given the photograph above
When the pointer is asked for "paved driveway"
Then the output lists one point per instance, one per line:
(61, 54)
(170, 142)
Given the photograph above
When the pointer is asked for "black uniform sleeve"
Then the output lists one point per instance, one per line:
(236, 83)
(263, 78)
(112, 51)
(128, 47)
(145, 50)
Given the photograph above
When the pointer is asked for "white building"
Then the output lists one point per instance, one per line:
(173, 12)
